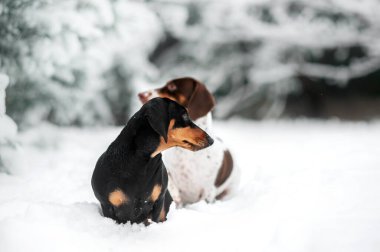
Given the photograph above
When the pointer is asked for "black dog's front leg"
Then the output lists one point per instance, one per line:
(161, 207)
(108, 211)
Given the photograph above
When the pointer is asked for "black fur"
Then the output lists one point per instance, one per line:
(127, 164)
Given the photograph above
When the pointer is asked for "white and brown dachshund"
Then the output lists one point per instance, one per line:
(209, 174)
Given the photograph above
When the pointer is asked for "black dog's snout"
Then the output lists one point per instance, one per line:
(210, 141)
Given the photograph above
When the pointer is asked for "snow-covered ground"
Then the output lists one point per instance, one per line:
(306, 186)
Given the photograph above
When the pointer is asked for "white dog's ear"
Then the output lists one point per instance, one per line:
(201, 101)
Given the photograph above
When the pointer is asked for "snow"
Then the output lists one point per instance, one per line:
(306, 186)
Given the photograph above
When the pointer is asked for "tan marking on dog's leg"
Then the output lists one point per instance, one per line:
(117, 198)
(163, 214)
(155, 192)
(225, 169)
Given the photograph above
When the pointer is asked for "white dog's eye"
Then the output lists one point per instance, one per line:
(172, 87)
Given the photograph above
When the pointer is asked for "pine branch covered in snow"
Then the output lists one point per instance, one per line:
(254, 51)
(60, 55)
(76, 62)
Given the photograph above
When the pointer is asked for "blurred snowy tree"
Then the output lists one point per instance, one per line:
(62, 55)
(8, 129)
(117, 94)
(254, 54)
(78, 61)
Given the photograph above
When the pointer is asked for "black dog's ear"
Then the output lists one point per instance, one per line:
(157, 115)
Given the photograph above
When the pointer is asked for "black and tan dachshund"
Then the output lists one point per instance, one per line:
(130, 179)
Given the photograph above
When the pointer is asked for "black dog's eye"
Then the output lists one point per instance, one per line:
(185, 117)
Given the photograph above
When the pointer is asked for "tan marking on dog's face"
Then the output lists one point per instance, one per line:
(117, 198)
(188, 138)
(155, 192)
(162, 214)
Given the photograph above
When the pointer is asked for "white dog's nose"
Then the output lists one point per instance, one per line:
(144, 96)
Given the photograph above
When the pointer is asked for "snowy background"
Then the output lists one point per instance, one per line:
(297, 84)
(306, 186)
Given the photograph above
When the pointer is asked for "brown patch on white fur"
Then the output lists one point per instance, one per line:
(225, 169)
(155, 192)
(221, 195)
(181, 99)
(188, 92)
(191, 94)
(117, 198)
(201, 193)
(188, 138)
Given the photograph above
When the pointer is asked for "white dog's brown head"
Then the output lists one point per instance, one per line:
(186, 91)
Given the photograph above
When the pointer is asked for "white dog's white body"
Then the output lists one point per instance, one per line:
(192, 175)
(208, 174)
